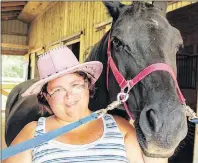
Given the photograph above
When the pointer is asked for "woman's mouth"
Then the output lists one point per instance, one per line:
(70, 104)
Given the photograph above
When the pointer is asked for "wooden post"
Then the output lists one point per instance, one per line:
(32, 65)
(5, 93)
(82, 45)
(195, 156)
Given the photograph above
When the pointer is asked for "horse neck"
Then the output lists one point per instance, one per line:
(99, 53)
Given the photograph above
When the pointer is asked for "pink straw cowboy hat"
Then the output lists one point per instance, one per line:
(58, 62)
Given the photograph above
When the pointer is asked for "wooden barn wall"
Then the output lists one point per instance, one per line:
(14, 32)
(178, 4)
(65, 19)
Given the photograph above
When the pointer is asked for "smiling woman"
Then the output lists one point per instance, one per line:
(63, 90)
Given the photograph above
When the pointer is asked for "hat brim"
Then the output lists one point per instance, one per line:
(93, 69)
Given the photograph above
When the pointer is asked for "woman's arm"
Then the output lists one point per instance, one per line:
(133, 150)
(26, 133)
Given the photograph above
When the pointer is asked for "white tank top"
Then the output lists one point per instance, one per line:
(107, 149)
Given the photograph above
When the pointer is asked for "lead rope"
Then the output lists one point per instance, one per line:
(191, 114)
(31, 143)
(121, 98)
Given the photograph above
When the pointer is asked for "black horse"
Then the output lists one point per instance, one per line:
(140, 36)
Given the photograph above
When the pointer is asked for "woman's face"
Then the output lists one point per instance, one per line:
(68, 96)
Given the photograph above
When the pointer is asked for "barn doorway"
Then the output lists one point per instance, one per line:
(75, 48)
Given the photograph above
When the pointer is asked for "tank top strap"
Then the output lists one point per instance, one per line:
(40, 128)
(111, 125)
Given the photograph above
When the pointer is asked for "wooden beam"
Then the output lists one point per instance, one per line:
(71, 38)
(9, 18)
(7, 15)
(55, 43)
(14, 52)
(10, 13)
(15, 46)
(102, 25)
(5, 93)
(12, 8)
(6, 4)
(37, 50)
(14, 33)
(33, 10)
(8, 86)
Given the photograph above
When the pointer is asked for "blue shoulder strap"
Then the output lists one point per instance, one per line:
(15, 149)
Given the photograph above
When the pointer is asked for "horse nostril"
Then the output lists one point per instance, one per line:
(152, 120)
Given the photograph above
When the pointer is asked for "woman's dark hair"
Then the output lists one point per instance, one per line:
(42, 100)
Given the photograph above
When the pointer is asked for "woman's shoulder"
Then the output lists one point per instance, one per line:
(124, 125)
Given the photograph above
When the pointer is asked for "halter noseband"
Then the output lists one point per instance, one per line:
(128, 84)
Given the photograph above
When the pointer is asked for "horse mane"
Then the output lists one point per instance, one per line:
(99, 49)
(98, 53)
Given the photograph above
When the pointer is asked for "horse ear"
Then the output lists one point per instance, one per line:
(113, 8)
(162, 5)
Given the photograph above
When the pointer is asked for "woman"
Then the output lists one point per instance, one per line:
(65, 87)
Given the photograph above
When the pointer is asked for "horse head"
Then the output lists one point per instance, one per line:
(140, 36)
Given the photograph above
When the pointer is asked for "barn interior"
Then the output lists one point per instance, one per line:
(23, 33)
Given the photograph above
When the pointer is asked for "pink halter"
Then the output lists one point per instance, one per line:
(128, 84)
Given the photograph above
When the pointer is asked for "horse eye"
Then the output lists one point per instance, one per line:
(117, 43)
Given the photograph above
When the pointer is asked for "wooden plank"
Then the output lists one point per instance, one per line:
(176, 5)
(10, 13)
(72, 41)
(12, 8)
(5, 93)
(33, 10)
(14, 33)
(9, 4)
(8, 86)
(36, 50)
(9, 18)
(73, 37)
(15, 46)
(82, 45)
(33, 65)
(102, 25)
(13, 52)
(55, 43)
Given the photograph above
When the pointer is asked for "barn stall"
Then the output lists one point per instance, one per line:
(31, 28)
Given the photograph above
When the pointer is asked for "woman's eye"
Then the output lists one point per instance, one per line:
(74, 85)
(57, 90)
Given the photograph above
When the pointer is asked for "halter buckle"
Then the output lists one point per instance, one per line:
(122, 97)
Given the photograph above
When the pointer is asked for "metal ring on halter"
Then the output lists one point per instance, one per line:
(127, 87)
(123, 97)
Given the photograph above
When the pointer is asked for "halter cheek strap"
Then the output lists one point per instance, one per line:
(128, 84)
